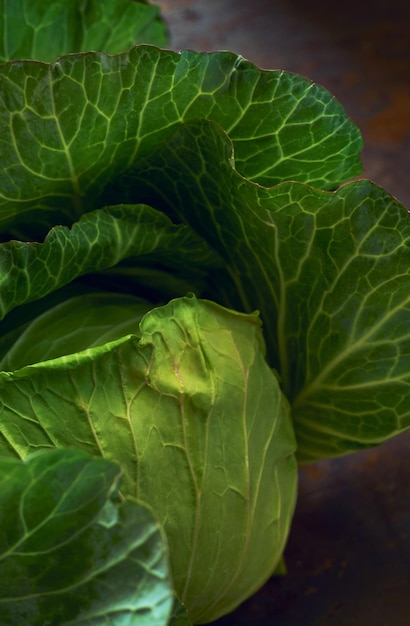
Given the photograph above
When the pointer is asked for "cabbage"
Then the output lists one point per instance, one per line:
(189, 299)
(190, 410)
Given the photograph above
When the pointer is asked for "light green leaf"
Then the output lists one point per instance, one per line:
(330, 273)
(34, 29)
(68, 129)
(197, 421)
(70, 554)
(76, 324)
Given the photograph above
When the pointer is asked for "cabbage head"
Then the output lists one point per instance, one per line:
(188, 407)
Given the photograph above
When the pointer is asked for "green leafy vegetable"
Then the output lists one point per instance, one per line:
(127, 182)
(70, 553)
(196, 418)
(328, 271)
(34, 29)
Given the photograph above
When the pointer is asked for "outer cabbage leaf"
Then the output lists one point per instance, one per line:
(330, 273)
(34, 29)
(195, 417)
(68, 128)
(70, 553)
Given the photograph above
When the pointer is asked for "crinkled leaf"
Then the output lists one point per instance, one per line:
(71, 554)
(196, 418)
(330, 273)
(69, 128)
(34, 29)
(102, 240)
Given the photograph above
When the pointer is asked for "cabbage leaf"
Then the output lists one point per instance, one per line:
(69, 128)
(196, 418)
(34, 29)
(71, 552)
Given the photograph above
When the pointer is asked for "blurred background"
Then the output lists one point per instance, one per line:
(348, 555)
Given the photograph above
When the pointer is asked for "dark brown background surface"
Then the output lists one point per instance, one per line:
(348, 555)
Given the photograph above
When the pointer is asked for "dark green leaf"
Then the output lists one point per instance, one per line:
(100, 240)
(70, 554)
(69, 128)
(34, 29)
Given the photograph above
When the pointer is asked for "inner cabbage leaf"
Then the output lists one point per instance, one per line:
(196, 419)
(74, 325)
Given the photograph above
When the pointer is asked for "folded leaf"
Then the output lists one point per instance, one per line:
(34, 29)
(68, 128)
(197, 421)
(70, 554)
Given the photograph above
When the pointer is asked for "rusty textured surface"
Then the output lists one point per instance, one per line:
(348, 556)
